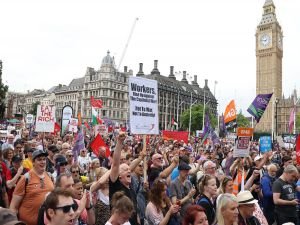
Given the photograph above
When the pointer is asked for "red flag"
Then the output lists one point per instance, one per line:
(96, 103)
(110, 129)
(298, 149)
(87, 125)
(99, 120)
(56, 128)
(97, 143)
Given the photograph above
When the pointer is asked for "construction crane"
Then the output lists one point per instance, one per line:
(127, 43)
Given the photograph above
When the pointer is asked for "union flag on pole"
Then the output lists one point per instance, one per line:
(96, 103)
(230, 115)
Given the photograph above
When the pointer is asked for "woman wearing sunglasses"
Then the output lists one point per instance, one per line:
(60, 207)
(208, 190)
(159, 210)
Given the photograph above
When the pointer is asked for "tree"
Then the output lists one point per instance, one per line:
(3, 91)
(298, 123)
(196, 118)
(34, 108)
(242, 121)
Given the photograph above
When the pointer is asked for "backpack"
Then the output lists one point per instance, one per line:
(27, 178)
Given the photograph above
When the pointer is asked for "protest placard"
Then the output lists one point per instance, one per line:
(143, 111)
(265, 144)
(45, 118)
(242, 144)
(73, 125)
(100, 129)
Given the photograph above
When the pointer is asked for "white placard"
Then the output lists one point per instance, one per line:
(242, 147)
(29, 118)
(73, 125)
(45, 118)
(100, 129)
(143, 99)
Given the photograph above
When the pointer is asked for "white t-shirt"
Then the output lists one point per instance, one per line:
(109, 223)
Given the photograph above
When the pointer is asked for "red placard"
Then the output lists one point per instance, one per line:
(176, 135)
(298, 149)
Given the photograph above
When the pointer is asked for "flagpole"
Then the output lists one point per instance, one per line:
(190, 115)
(177, 109)
(203, 111)
(272, 127)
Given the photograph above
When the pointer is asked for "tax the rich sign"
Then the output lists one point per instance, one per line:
(45, 118)
(143, 100)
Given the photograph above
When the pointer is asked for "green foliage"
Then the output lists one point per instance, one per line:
(196, 118)
(34, 108)
(3, 91)
(242, 121)
(298, 123)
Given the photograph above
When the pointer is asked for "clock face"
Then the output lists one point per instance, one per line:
(265, 40)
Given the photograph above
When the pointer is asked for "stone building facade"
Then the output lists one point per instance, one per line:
(269, 54)
(111, 86)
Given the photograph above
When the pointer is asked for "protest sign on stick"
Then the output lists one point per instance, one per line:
(45, 118)
(143, 110)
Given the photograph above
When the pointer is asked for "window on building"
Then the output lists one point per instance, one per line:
(103, 112)
(118, 114)
(122, 115)
(114, 114)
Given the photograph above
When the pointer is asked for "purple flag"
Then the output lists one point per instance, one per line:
(79, 144)
(259, 105)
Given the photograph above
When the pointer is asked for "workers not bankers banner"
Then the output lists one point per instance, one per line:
(143, 96)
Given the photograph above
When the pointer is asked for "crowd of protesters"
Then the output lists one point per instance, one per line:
(163, 182)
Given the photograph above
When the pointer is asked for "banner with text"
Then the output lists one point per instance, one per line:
(143, 96)
(265, 144)
(176, 135)
(45, 118)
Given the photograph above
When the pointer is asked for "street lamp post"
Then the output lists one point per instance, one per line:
(190, 121)
(276, 117)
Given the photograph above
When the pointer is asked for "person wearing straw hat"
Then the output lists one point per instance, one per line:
(246, 208)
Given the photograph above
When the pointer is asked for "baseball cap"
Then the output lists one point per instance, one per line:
(184, 166)
(7, 217)
(38, 153)
(258, 157)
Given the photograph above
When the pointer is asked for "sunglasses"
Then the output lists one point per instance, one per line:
(69, 155)
(75, 171)
(67, 208)
(63, 164)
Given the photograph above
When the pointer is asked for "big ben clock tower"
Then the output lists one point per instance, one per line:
(268, 61)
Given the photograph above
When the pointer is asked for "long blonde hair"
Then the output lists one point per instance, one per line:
(222, 203)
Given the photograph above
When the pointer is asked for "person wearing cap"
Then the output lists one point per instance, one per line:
(7, 217)
(60, 165)
(181, 189)
(246, 208)
(284, 196)
(52, 150)
(31, 189)
(14, 175)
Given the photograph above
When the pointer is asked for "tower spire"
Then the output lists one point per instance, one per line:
(269, 15)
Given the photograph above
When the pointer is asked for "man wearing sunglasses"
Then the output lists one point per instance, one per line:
(60, 207)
